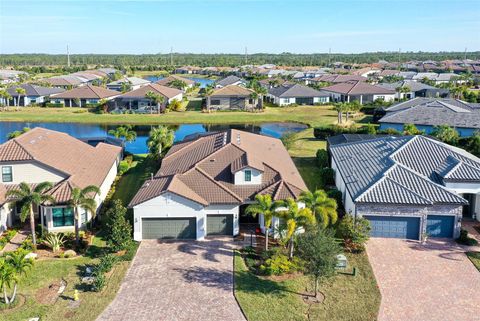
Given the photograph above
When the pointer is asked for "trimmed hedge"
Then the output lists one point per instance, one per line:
(54, 105)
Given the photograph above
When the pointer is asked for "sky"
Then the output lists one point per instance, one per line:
(228, 26)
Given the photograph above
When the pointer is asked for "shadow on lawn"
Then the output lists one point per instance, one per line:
(247, 282)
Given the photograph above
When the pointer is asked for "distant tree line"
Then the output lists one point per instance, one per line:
(154, 61)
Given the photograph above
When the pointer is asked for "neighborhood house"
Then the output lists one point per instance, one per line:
(296, 94)
(84, 96)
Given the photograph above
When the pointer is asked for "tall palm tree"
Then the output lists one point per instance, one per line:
(21, 92)
(20, 265)
(28, 197)
(261, 92)
(5, 96)
(323, 207)
(84, 198)
(156, 99)
(125, 132)
(295, 218)
(159, 140)
(266, 206)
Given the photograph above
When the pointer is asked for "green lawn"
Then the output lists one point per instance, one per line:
(347, 297)
(475, 258)
(48, 271)
(310, 115)
(133, 179)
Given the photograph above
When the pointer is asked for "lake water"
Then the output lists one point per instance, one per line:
(202, 81)
(139, 146)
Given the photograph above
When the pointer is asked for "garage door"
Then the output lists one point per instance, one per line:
(395, 227)
(169, 228)
(440, 225)
(220, 224)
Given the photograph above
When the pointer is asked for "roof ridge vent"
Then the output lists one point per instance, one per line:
(238, 139)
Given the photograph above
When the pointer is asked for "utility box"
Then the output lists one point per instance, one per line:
(341, 261)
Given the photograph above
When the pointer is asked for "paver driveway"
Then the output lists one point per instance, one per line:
(178, 281)
(418, 282)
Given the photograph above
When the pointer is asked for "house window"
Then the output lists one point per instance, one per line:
(215, 102)
(7, 174)
(248, 176)
(62, 216)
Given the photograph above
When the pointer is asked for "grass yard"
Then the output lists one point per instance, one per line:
(347, 297)
(132, 180)
(48, 271)
(475, 258)
(310, 115)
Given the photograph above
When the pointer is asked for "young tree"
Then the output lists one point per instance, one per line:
(354, 232)
(118, 229)
(28, 198)
(318, 249)
(20, 266)
(266, 206)
(323, 207)
(7, 277)
(159, 140)
(446, 134)
(84, 198)
(295, 218)
(411, 129)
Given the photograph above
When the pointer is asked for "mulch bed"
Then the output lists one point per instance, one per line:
(19, 302)
(49, 294)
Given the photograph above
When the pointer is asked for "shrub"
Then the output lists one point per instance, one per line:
(54, 241)
(99, 283)
(336, 195)
(118, 229)
(123, 167)
(131, 250)
(390, 131)
(128, 159)
(324, 132)
(27, 244)
(54, 105)
(288, 139)
(322, 158)
(328, 176)
(280, 264)
(69, 254)
(354, 232)
(465, 239)
(107, 262)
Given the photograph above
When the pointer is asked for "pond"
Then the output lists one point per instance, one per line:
(202, 81)
(139, 146)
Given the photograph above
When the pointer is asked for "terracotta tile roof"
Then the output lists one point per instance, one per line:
(87, 92)
(156, 88)
(63, 81)
(206, 164)
(232, 90)
(357, 88)
(166, 81)
(81, 163)
(339, 78)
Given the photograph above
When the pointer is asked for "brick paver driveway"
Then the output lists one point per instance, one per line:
(418, 282)
(178, 281)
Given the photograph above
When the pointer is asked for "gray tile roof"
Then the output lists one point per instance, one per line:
(296, 90)
(434, 112)
(34, 90)
(413, 85)
(228, 81)
(403, 170)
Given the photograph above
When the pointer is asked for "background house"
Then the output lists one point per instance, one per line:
(167, 81)
(359, 91)
(84, 96)
(416, 89)
(137, 100)
(232, 97)
(33, 94)
(230, 80)
(296, 94)
(131, 83)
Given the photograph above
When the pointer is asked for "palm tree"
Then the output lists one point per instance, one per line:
(17, 133)
(155, 98)
(20, 265)
(5, 96)
(177, 83)
(261, 92)
(84, 198)
(21, 92)
(266, 206)
(7, 276)
(254, 98)
(402, 90)
(323, 207)
(125, 132)
(27, 197)
(295, 218)
(340, 109)
(160, 138)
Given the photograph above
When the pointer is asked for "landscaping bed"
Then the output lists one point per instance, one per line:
(475, 258)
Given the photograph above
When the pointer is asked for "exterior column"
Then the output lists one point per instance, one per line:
(361, 99)
(208, 103)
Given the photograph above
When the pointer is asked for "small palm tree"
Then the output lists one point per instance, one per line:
(5, 96)
(159, 140)
(177, 83)
(295, 218)
(84, 198)
(323, 207)
(7, 277)
(155, 98)
(20, 265)
(21, 92)
(17, 133)
(28, 197)
(266, 206)
(125, 132)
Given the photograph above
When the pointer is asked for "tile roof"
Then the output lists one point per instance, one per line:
(135, 81)
(232, 90)
(296, 90)
(403, 170)
(165, 91)
(334, 78)
(34, 90)
(81, 163)
(229, 80)
(413, 85)
(205, 166)
(434, 112)
(357, 88)
(64, 80)
(87, 92)
(166, 81)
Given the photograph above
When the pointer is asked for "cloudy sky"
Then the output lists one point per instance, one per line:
(228, 26)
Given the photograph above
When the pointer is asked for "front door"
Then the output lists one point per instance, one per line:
(469, 209)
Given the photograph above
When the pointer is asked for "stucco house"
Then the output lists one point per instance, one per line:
(205, 183)
(132, 83)
(167, 81)
(65, 81)
(285, 95)
(416, 89)
(335, 79)
(426, 113)
(409, 186)
(232, 97)
(42, 155)
(359, 91)
(33, 94)
(230, 80)
(83, 96)
(137, 100)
